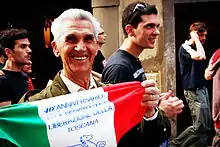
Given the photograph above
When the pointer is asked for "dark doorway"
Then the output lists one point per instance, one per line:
(185, 14)
(32, 16)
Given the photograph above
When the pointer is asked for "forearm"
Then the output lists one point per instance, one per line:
(200, 49)
(5, 103)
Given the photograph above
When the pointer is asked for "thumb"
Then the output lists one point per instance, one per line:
(166, 95)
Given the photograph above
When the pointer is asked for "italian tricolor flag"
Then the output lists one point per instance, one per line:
(97, 117)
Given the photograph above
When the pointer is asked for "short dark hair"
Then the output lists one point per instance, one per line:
(9, 36)
(198, 26)
(133, 12)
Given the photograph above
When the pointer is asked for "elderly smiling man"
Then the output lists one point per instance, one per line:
(75, 34)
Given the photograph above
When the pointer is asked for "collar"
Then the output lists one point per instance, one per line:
(72, 87)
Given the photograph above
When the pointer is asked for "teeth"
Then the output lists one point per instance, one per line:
(80, 58)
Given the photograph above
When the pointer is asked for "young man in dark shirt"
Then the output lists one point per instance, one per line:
(192, 67)
(140, 24)
(14, 82)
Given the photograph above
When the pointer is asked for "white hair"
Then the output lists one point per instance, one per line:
(69, 14)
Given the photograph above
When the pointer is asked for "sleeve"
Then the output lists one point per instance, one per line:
(161, 125)
(27, 95)
(214, 64)
(183, 53)
(116, 74)
(215, 57)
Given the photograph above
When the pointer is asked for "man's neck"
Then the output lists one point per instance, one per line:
(82, 80)
(100, 46)
(131, 47)
(11, 66)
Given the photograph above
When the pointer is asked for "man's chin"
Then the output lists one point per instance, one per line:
(150, 47)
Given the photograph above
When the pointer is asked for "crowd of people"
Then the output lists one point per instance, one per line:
(78, 38)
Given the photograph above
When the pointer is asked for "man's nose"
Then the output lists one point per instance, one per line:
(29, 50)
(80, 46)
(157, 31)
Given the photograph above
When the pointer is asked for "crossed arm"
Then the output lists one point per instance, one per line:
(199, 53)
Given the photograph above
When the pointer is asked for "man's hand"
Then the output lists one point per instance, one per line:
(171, 106)
(194, 36)
(5, 103)
(151, 97)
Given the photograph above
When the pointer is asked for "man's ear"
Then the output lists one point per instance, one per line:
(55, 49)
(97, 47)
(130, 30)
(7, 52)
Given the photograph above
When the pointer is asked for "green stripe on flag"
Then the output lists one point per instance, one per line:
(21, 125)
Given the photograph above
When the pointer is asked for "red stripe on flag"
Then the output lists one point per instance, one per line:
(128, 111)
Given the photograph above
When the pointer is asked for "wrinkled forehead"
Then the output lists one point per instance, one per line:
(71, 26)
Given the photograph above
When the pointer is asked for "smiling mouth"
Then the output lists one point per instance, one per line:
(81, 58)
(152, 40)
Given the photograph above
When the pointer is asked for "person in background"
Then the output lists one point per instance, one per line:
(192, 60)
(140, 24)
(2, 57)
(13, 82)
(99, 61)
(213, 72)
(28, 70)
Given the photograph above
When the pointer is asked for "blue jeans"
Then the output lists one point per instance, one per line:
(196, 135)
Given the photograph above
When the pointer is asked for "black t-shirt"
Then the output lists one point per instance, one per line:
(122, 67)
(192, 71)
(12, 86)
(99, 62)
